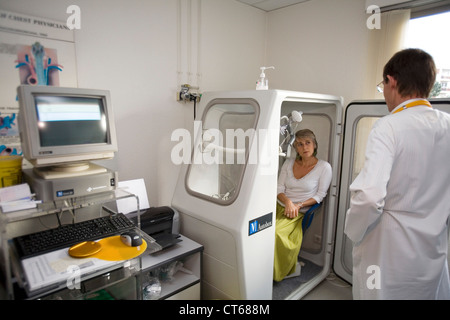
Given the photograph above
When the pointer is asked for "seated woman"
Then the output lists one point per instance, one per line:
(303, 182)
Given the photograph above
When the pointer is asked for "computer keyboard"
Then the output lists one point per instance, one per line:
(67, 235)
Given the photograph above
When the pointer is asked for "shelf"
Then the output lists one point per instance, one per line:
(189, 253)
(182, 249)
(58, 206)
(180, 282)
(94, 283)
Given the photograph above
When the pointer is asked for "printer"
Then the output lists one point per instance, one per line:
(161, 223)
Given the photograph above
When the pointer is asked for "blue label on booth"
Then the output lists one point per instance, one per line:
(259, 224)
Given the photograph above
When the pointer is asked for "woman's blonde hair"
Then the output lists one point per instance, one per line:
(302, 134)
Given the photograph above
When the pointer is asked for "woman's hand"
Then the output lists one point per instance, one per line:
(291, 209)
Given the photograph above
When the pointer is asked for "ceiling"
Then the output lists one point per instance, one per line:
(269, 5)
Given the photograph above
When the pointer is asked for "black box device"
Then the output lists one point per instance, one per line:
(161, 223)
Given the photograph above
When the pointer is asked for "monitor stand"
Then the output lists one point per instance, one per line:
(69, 170)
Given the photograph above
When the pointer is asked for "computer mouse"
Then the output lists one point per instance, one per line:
(131, 238)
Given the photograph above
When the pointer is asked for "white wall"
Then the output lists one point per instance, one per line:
(234, 39)
(130, 48)
(321, 46)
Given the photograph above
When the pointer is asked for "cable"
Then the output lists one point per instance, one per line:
(193, 97)
(195, 107)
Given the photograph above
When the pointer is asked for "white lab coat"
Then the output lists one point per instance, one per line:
(400, 207)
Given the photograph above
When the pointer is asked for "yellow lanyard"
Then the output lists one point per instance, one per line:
(413, 104)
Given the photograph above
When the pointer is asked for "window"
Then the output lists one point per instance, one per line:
(222, 152)
(430, 33)
(363, 128)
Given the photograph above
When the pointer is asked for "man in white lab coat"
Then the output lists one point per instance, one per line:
(400, 207)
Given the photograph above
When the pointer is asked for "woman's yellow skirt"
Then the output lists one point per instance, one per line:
(288, 240)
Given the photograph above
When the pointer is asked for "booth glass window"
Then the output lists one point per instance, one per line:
(222, 149)
(363, 128)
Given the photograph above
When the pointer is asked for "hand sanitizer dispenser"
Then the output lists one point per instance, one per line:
(263, 83)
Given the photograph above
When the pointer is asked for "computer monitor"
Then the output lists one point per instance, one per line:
(63, 129)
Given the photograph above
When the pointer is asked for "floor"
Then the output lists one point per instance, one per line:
(332, 288)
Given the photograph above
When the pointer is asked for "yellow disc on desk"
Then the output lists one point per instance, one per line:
(84, 249)
(113, 249)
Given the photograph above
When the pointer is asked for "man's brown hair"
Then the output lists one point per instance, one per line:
(414, 70)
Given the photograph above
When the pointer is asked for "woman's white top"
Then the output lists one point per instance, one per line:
(314, 184)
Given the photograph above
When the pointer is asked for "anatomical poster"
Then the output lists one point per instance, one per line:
(33, 51)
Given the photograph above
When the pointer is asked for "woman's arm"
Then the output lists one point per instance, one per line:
(324, 183)
(290, 209)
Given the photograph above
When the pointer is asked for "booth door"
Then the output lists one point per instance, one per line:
(358, 121)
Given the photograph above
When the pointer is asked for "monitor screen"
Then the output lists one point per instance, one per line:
(60, 126)
(70, 120)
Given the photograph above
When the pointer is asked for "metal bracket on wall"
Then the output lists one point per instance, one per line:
(185, 93)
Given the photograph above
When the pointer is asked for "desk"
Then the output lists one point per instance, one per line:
(79, 209)
(126, 280)
(116, 281)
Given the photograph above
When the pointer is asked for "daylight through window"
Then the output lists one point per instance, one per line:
(430, 33)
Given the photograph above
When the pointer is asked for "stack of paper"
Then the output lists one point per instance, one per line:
(17, 197)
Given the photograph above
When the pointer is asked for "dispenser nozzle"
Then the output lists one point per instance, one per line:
(262, 83)
(265, 68)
